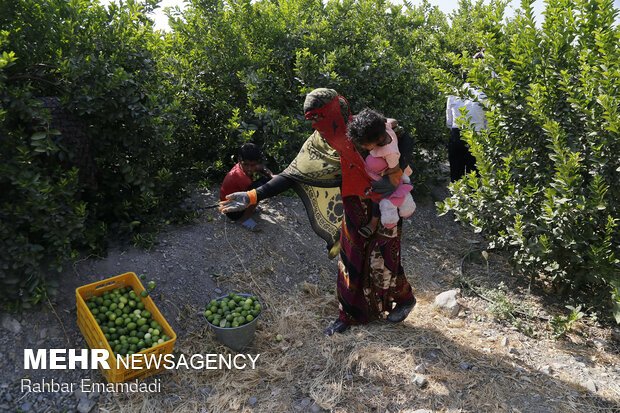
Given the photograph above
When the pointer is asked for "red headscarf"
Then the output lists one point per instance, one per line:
(331, 125)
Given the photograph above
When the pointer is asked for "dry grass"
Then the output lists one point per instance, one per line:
(367, 369)
(370, 368)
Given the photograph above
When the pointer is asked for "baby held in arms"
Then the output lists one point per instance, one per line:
(383, 160)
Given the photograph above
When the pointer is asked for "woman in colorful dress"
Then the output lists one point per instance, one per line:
(330, 177)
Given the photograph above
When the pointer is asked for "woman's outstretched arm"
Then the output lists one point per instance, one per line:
(239, 201)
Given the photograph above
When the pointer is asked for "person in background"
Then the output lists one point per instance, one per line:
(330, 177)
(460, 158)
(241, 178)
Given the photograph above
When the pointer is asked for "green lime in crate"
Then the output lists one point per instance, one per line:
(117, 314)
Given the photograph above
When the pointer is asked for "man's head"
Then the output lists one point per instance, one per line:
(249, 158)
(367, 130)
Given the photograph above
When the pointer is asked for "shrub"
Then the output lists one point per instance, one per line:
(547, 186)
(103, 65)
(249, 65)
(40, 213)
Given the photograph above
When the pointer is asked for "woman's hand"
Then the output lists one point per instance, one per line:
(384, 186)
(235, 202)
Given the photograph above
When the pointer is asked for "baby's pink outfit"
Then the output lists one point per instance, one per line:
(399, 203)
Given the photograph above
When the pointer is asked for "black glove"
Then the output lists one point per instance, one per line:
(384, 187)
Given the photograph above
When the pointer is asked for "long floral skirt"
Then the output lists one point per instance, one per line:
(370, 276)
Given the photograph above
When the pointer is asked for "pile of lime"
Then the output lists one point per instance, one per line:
(126, 324)
(232, 311)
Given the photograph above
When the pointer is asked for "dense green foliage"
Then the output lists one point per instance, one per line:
(548, 186)
(103, 65)
(248, 66)
(167, 110)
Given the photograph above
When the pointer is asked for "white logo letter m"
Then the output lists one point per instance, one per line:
(30, 360)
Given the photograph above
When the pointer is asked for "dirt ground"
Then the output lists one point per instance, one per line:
(472, 362)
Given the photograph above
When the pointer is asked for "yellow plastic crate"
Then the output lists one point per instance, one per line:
(96, 340)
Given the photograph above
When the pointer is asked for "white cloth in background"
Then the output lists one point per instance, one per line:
(475, 110)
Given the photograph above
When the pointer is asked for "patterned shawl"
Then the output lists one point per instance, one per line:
(318, 176)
